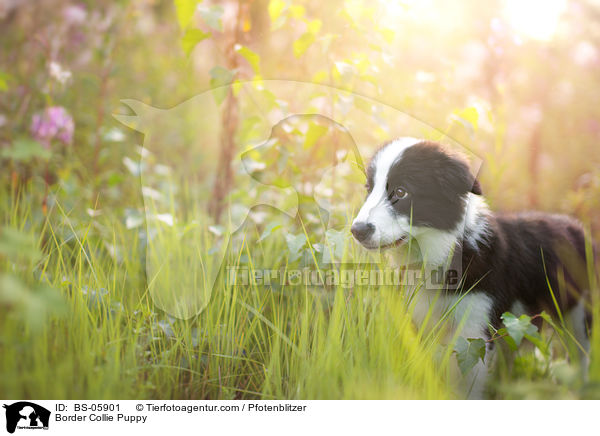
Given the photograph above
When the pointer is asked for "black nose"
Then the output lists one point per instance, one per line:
(362, 230)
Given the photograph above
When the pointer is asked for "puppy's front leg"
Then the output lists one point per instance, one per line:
(471, 316)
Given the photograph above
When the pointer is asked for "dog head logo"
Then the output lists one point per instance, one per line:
(26, 415)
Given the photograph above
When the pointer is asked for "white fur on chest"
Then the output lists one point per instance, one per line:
(466, 314)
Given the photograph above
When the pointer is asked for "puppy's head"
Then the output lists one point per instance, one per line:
(414, 187)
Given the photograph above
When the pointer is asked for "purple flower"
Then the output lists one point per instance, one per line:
(75, 14)
(54, 123)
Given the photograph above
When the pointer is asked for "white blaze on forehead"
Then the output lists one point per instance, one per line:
(383, 161)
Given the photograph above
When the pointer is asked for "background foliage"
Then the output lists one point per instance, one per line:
(516, 84)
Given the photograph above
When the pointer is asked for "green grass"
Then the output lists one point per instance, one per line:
(82, 323)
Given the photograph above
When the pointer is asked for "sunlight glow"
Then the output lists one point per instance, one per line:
(536, 19)
(391, 11)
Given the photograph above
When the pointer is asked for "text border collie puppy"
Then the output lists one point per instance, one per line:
(419, 191)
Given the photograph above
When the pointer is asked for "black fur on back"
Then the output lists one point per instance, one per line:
(523, 258)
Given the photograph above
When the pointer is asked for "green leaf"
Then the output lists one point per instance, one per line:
(252, 57)
(302, 43)
(297, 11)
(471, 115)
(212, 16)
(388, 35)
(517, 328)
(114, 179)
(335, 245)
(191, 38)
(219, 78)
(24, 150)
(314, 26)
(468, 118)
(509, 340)
(5, 78)
(295, 244)
(185, 11)
(314, 132)
(248, 131)
(307, 38)
(276, 7)
(536, 339)
(468, 352)
(268, 231)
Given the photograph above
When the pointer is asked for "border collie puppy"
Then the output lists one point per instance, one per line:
(420, 192)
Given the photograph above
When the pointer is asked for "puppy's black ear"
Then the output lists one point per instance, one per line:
(456, 178)
(476, 189)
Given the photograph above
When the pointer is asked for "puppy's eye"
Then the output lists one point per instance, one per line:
(400, 193)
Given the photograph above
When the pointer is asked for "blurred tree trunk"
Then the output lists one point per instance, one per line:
(229, 119)
(224, 173)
